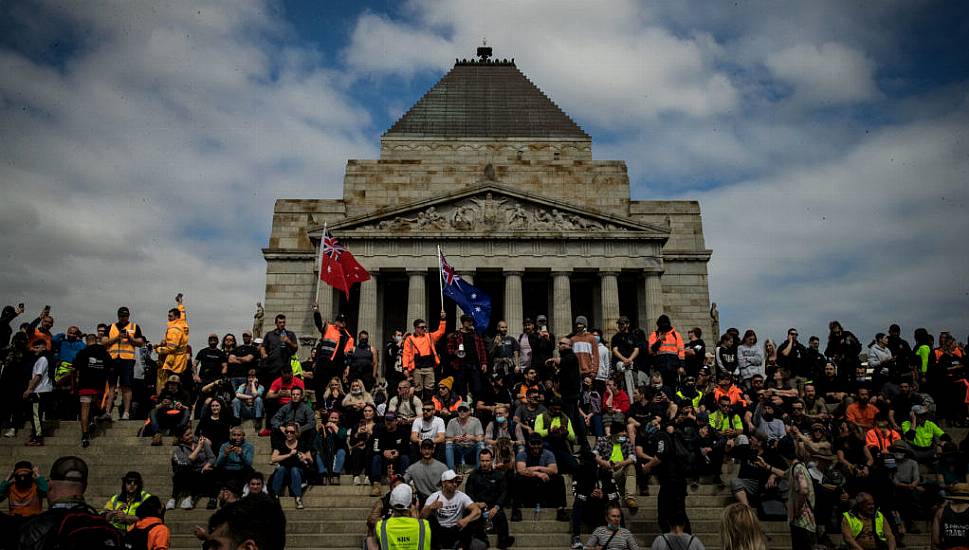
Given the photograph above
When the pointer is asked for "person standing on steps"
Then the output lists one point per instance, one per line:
(123, 337)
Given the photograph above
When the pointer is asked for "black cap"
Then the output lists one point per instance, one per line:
(427, 443)
(69, 468)
(341, 318)
(123, 310)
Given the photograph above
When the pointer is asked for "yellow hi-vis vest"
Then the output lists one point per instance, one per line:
(855, 523)
(399, 533)
(122, 349)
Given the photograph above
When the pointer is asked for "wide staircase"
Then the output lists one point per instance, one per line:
(335, 516)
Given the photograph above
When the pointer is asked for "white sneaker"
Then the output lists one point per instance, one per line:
(125, 416)
(299, 503)
(187, 503)
(170, 505)
(10, 432)
(356, 480)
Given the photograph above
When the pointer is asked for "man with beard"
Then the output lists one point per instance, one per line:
(469, 357)
(505, 352)
(490, 489)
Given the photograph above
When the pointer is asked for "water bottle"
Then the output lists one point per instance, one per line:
(538, 510)
(487, 520)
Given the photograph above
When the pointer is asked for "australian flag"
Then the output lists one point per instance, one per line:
(470, 299)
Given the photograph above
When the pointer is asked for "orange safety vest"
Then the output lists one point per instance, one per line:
(332, 333)
(734, 393)
(439, 405)
(672, 344)
(24, 503)
(423, 346)
(122, 349)
(43, 337)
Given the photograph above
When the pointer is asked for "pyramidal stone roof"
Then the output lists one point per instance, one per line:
(483, 98)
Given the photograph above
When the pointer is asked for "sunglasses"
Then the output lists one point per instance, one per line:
(287, 432)
(421, 326)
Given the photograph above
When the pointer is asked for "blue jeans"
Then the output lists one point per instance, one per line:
(295, 474)
(468, 455)
(378, 466)
(338, 459)
(175, 422)
(254, 411)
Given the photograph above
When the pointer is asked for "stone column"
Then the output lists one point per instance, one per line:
(654, 300)
(367, 314)
(416, 295)
(561, 303)
(609, 284)
(513, 301)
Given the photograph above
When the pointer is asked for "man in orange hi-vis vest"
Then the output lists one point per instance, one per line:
(420, 357)
(668, 351)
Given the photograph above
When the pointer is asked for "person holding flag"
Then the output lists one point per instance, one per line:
(469, 358)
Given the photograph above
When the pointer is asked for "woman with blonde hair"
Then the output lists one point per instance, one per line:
(740, 530)
(355, 401)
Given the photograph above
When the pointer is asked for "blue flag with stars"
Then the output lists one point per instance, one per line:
(469, 298)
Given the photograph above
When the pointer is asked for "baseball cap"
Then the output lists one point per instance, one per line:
(173, 379)
(390, 415)
(919, 409)
(69, 468)
(541, 319)
(581, 320)
(401, 496)
(464, 405)
(449, 475)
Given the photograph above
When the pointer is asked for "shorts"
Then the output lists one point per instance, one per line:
(749, 486)
(124, 370)
(87, 396)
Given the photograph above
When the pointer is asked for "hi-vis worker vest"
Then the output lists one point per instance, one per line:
(399, 533)
(330, 341)
(695, 400)
(671, 344)
(855, 523)
(122, 349)
(117, 502)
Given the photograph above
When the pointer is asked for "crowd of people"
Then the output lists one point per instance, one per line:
(845, 438)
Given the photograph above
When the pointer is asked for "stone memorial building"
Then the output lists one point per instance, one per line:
(489, 168)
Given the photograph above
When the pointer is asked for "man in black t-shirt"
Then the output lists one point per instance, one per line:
(623, 346)
(241, 359)
(92, 365)
(278, 346)
(696, 351)
(210, 362)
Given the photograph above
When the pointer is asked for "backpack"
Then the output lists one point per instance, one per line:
(137, 539)
(81, 528)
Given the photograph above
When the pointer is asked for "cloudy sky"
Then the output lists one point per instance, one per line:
(142, 144)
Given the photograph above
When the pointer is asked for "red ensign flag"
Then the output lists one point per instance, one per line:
(338, 267)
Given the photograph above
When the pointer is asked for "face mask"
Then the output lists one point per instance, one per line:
(356, 391)
(622, 439)
(613, 526)
(398, 339)
(500, 419)
(598, 339)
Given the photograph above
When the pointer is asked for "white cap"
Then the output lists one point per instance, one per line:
(449, 475)
(401, 496)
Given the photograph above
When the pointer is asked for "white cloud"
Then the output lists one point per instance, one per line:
(149, 162)
(829, 73)
(609, 66)
(870, 237)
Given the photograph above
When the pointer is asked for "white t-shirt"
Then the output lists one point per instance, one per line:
(40, 368)
(428, 431)
(452, 509)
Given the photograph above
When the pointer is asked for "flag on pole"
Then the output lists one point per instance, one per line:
(470, 299)
(338, 267)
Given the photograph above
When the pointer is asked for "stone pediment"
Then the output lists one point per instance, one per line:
(494, 209)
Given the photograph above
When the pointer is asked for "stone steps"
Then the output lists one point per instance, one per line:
(334, 517)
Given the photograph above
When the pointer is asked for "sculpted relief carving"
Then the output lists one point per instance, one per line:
(488, 213)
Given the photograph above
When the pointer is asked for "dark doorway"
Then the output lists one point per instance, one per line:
(535, 302)
(584, 289)
(394, 303)
(629, 298)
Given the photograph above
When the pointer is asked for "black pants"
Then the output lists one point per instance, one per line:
(530, 491)
(571, 409)
(802, 539)
(191, 482)
(671, 498)
(450, 537)
(500, 523)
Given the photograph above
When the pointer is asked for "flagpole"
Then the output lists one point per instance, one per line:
(440, 276)
(320, 278)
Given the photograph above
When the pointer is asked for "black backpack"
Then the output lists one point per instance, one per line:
(82, 528)
(137, 538)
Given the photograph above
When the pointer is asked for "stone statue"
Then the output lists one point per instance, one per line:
(517, 217)
(715, 319)
(257, 320)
